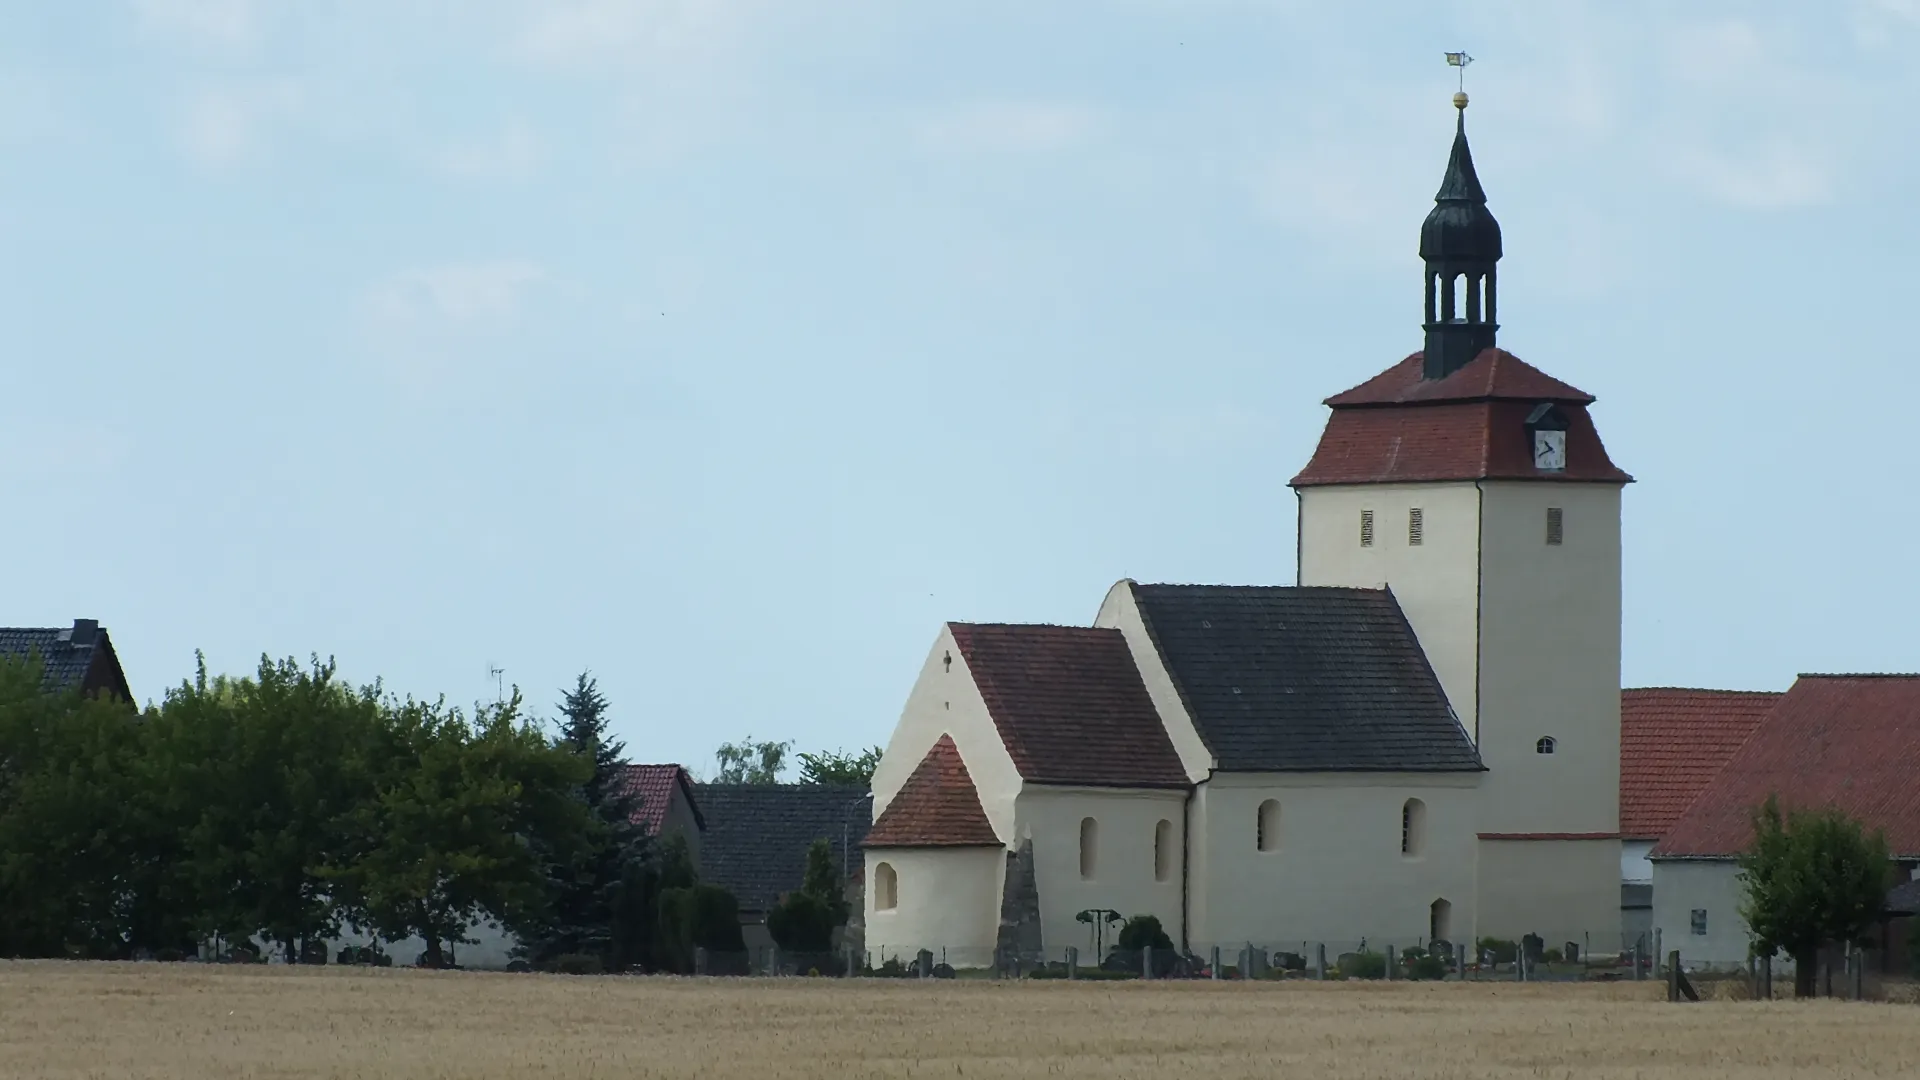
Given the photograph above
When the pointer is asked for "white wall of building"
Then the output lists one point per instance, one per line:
(1337, 874)
(1123, 875)
(945, 701)
(1120, 611)
(947, 901)
(1635, 867)
(1682, 886)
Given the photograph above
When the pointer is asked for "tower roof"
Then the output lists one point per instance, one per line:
(1460, 228)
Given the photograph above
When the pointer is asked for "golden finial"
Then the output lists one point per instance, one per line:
(1460, 100)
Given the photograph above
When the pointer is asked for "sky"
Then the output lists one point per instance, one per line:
(726, 348)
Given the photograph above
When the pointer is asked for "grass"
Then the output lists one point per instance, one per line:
(186, 1022)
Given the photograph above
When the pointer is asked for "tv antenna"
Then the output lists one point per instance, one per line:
(494, 671)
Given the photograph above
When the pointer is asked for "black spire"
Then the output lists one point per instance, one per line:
(1460, 242)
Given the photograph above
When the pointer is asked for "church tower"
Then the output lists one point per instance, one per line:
(1476, 488)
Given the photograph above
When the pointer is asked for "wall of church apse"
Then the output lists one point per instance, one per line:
(946, 900)
(1134, 865)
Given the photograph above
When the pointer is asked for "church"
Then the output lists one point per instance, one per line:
(1419, 741)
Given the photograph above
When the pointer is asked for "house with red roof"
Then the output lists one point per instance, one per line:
(1848, 742)
(1420, 739)
(1673, 741)
(664, 803)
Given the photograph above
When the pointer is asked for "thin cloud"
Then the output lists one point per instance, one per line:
(512, 153)
(454, 295)
(225, 127)
(216, 24)
(997, 127)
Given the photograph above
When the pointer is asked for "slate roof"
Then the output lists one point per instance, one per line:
(1843, 741)
(1313, 679)
(1399, 427)
(64, 664)
(1069, 705)
(938, 806)
(756, 836)
(653, 787)
(1672, 743)
(1904, 899)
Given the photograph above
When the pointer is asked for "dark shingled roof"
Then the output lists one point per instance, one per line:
(1069, 704)
(757, 835)
(1304, 679)
(64, 664)
(938, 806)
(1904, 899)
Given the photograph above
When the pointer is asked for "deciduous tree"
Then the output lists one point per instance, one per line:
(1812, 877)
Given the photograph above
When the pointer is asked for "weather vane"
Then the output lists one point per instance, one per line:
(1460, 60)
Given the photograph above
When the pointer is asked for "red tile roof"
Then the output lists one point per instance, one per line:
(1494, 375)
(1672, 743)
(1469, 440)
(653, 787)
(1069, 705)
(1848, 742)
(937, 806)
(1398, 427)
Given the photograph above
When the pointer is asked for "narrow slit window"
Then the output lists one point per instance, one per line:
(1416, 526)
(1556, 526)
(1366, 528)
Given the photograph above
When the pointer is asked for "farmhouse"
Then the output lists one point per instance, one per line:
(1420, 740)
(73, 657)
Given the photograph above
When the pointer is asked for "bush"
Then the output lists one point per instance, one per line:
(169, 955)
(1502, 951)
(1364, 965)
(801, 922)
(1553, 956)
(1143, 931)
(698, 917)
(1426, 966)
(576, 964)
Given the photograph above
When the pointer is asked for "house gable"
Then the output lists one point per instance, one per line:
(79, 657)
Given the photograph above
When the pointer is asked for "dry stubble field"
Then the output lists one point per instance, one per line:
(178, 1022)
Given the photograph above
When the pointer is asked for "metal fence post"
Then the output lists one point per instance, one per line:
(1390, 972)
(1213, 962)
(1320, 960)
(1858, 962)
(1073, 962)
(1146, 961)
(1658, 956)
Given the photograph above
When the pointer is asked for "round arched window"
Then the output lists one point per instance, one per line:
(1266, 829)
(1413, 827)
(1089, 847)
(886, 888)
(1546, 745)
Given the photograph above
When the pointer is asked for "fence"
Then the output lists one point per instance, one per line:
(1530, 959)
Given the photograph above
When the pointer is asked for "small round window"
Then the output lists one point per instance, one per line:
(1546, 745)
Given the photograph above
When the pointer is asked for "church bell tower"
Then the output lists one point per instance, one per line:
(1477, 488)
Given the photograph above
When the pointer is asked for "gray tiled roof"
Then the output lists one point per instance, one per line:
(1904, 898)
(1304, 679)
(64, 664)
(756, 836)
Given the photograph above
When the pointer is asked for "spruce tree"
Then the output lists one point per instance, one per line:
(589, 889)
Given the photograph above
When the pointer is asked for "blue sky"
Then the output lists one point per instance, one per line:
(727, 348)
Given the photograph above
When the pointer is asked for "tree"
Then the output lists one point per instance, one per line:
(804, 921)
(459, 827)
(840, 769)
(1811, 877)
(599, 894)
(749, 762)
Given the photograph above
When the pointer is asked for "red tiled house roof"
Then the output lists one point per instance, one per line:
(1672, 743)
(653, 786)
(937, 806)
(1069, 705)
(1848, 742)
(1399, 427)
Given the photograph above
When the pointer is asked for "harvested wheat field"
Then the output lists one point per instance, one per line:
(107, 1021)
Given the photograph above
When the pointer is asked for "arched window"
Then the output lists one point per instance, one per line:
(1266, 831)
(1089, 847)
(1413, 827)
(886, 888)
(1545, 745)
(1163, 851)
(1440, 921)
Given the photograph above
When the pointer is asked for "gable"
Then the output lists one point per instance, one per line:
(652, 788)
(937, 806)
(1672, 743)
(1846, 742)
(1292, 678)
(76, 657)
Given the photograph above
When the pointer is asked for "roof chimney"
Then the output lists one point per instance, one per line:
(84, 631)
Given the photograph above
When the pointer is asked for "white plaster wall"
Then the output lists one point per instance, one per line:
(1680, 886)
(1550, 659)
(945, 701)
(1123, 878)
(1121, 611)
(1563, 890)
(1635, 868)
(948, 902)
(1437, 583)
(1338, 875)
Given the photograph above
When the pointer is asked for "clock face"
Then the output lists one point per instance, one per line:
(1550, 450)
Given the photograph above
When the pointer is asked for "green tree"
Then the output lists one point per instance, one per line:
(456, 830)
(750, 762)
(1812, 877)
(840, 769)
(600, 896)
(805, 920)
